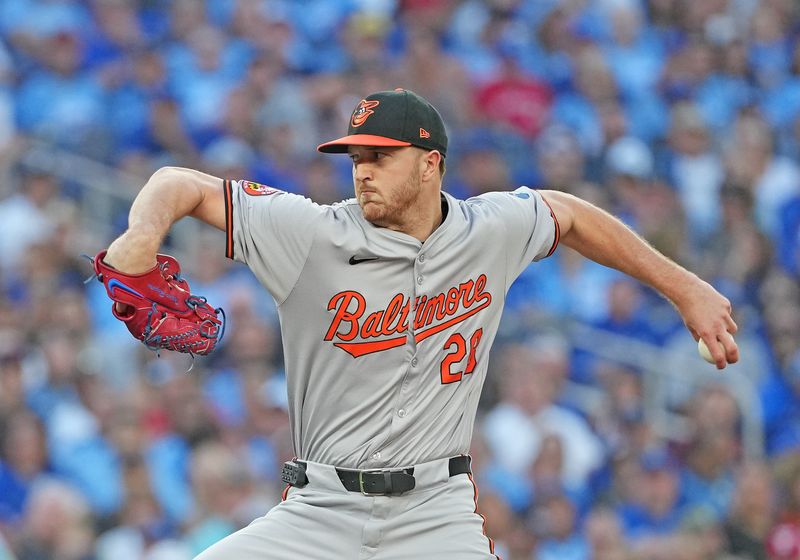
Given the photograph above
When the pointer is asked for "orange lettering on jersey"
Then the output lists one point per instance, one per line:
(341, 302)
(434, 308)
(379, 330)
(422, 335)
(419, 308)
(371, 326)
(452, 301)
(358, 349)
(395, 310)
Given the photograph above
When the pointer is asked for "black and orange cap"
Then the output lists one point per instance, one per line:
(392, 118)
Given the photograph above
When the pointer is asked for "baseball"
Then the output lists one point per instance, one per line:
(704, 352)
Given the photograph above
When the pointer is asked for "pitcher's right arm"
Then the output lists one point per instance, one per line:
(170, 194)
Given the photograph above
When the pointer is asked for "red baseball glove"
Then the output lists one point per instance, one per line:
(159, 309)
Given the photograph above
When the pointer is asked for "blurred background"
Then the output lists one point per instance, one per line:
(601, 433)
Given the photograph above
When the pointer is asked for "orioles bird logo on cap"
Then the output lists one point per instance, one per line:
(363, 111)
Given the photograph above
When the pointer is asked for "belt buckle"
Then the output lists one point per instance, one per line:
(361, 482)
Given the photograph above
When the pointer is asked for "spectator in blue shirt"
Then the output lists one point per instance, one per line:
(62, 102)
(23, 461)
(560, 538)
(655, 510)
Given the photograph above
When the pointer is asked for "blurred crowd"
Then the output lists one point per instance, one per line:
(680, 116)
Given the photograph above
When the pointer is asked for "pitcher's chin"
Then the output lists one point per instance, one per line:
(373, 211)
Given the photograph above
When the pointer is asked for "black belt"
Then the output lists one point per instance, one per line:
(373, 482)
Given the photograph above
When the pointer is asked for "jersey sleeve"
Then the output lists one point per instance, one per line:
(271, 231)
(532, 231)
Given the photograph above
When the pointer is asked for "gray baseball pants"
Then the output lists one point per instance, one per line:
(323, 521)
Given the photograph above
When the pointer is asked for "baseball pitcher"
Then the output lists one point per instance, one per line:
(389, 303)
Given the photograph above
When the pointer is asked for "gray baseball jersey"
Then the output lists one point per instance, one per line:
(386, 338)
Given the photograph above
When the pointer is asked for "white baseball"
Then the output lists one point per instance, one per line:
(705, 353)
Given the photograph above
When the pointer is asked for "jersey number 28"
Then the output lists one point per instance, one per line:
(457, 347)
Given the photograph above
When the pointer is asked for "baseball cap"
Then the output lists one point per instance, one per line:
(392, 118)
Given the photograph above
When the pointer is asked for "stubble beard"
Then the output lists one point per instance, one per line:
(396, 205)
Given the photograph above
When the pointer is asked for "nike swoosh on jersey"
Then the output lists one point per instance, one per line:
(356, 260)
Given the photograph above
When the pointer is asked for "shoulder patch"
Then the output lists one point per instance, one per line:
(257, 189)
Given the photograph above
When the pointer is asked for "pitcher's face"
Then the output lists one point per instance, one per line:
(387, 182)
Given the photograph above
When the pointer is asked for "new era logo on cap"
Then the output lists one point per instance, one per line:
(392, 118)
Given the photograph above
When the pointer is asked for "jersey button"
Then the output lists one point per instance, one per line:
(376, 455)
(422, 257)
(414, 362)
(401, 413)
(419, 279)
